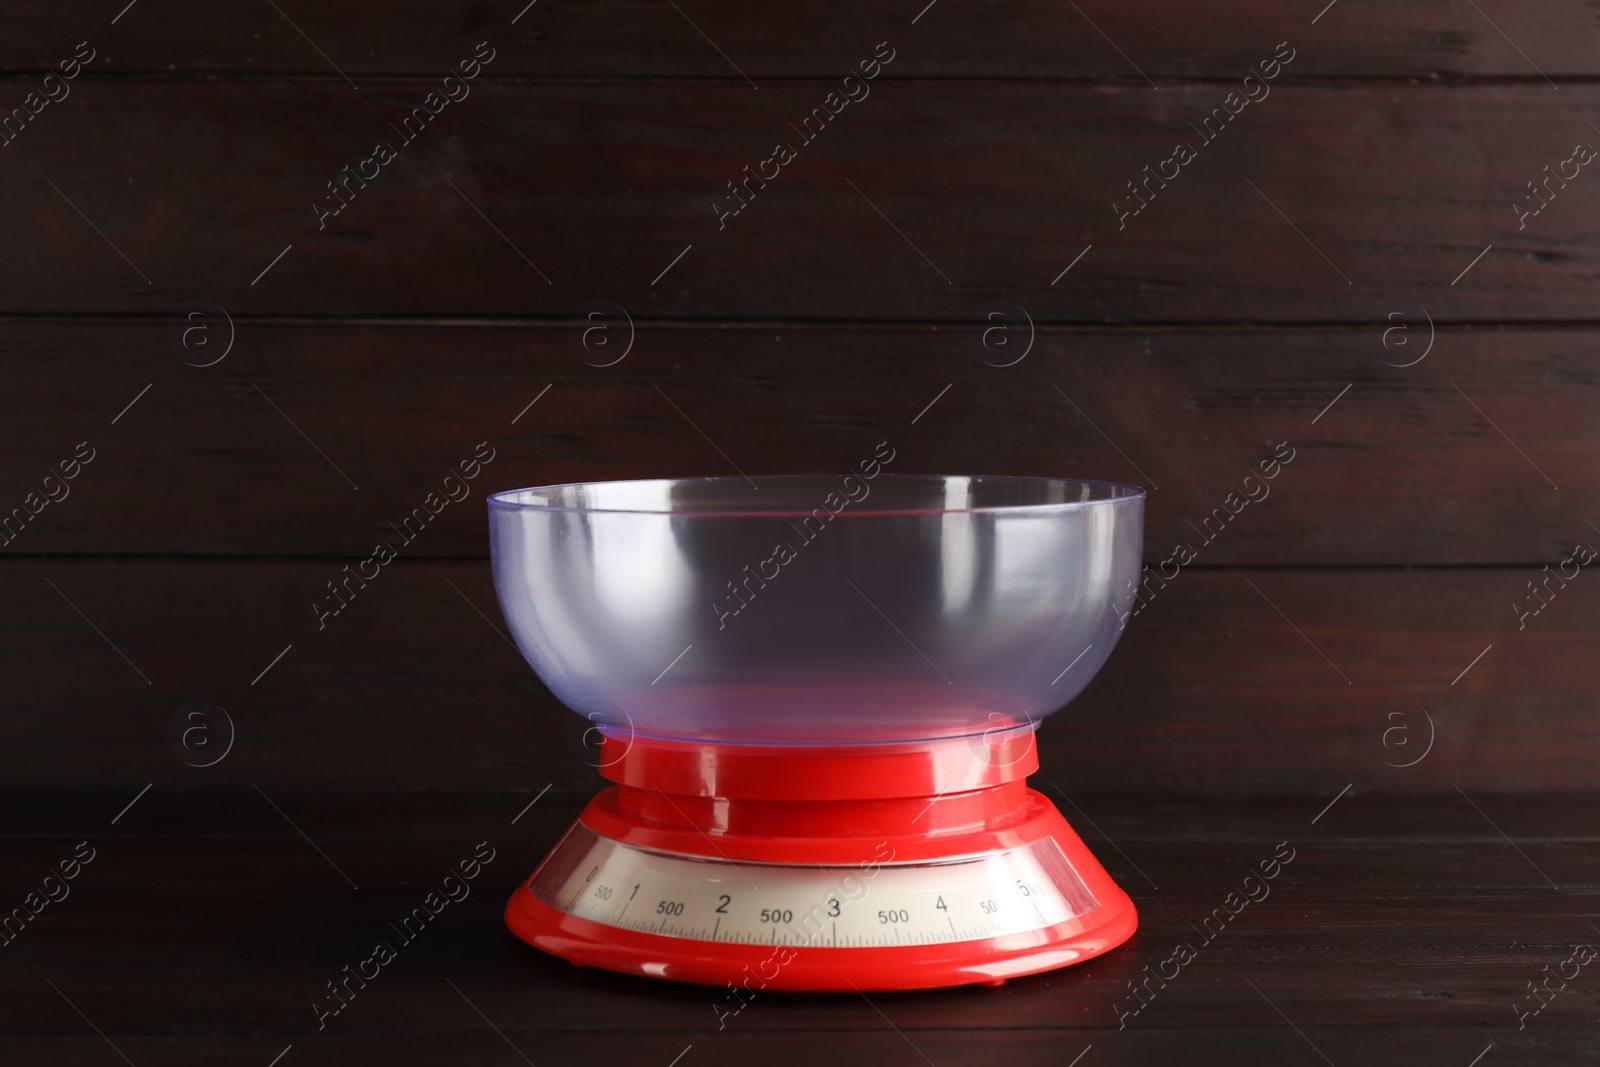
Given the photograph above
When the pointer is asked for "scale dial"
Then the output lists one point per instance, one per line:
(877, 904)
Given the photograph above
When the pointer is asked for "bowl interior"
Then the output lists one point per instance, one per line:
(861, 608)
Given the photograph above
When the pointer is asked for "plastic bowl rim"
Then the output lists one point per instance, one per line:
(1128, 493)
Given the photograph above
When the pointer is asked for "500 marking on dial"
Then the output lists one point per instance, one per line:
(1021, 889)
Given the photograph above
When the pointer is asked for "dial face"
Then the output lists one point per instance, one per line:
(876, 904)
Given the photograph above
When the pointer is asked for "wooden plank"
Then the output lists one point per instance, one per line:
(1438, 951)
(1227, 681)
(1561, 1043)
(926, 201)
(952, 38)
(1441, 462)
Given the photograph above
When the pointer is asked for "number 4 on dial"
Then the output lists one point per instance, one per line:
(941, 905)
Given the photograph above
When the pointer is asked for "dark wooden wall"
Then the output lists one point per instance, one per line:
(1354, 219)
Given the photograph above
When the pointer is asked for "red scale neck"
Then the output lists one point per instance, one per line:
(957, 785)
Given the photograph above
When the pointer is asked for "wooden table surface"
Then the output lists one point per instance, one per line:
(1385, 264)
(1403, 931)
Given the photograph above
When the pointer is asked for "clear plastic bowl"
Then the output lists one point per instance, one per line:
(820, 610)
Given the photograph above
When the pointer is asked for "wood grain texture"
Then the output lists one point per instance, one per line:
(925, 201)
(1343, 667)
(1444, 462)
(1297, 681)
(1452, 924)
(951, 38)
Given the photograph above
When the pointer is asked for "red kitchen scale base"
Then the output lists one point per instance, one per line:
(860, 867)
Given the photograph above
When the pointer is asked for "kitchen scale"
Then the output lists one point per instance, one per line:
(818, 699)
